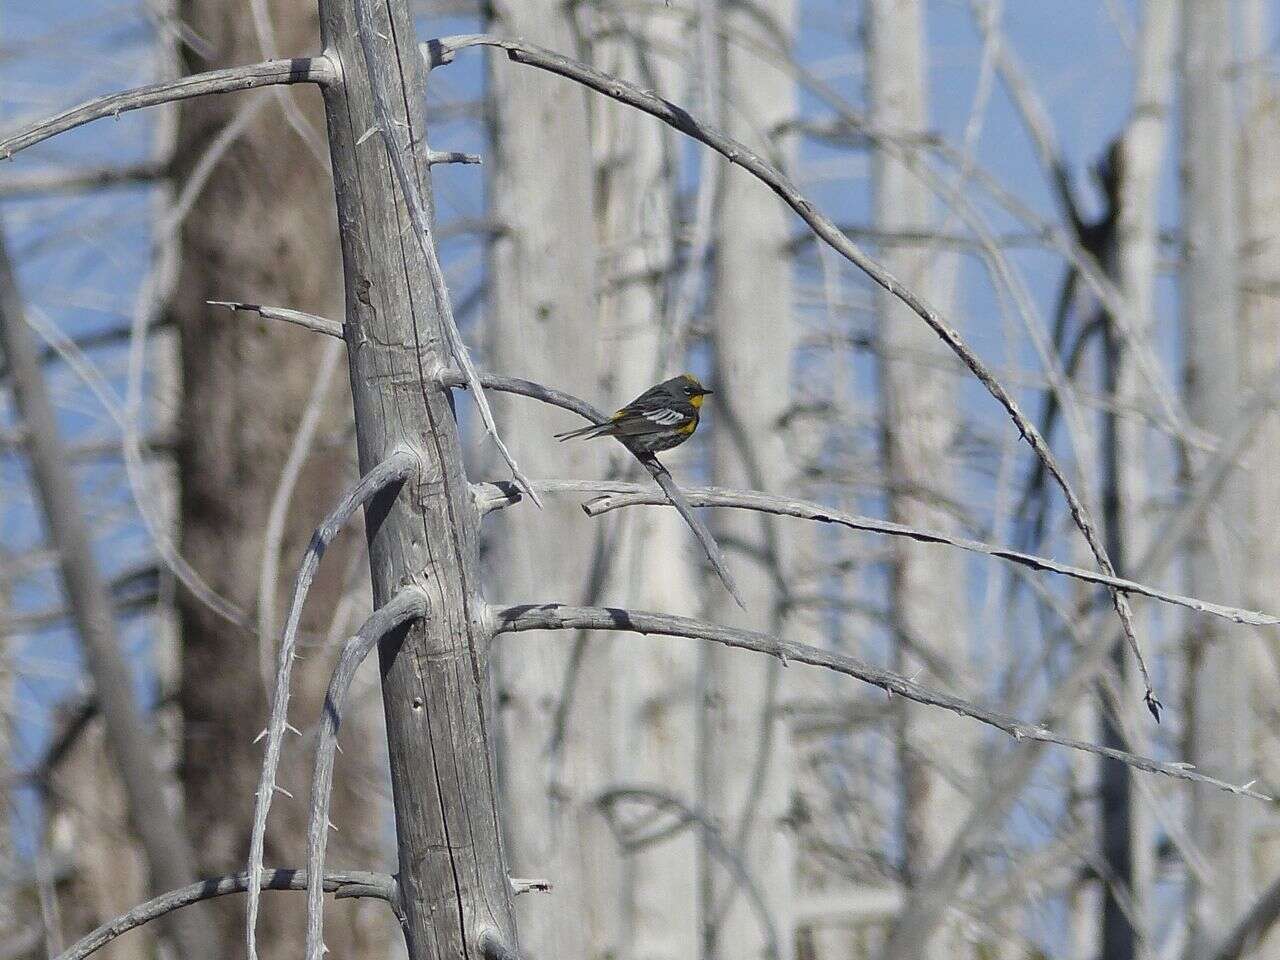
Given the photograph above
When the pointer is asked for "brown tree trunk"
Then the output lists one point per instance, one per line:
(263, 230)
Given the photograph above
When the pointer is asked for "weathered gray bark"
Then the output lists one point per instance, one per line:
(746, 754)
(542, 324)
(132, 745)
(1218, 706)
(261, 230)
(920, 424)
(453, 883)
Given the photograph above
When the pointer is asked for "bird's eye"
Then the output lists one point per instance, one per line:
(690, 390)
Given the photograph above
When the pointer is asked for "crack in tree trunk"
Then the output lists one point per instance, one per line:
(453, 884)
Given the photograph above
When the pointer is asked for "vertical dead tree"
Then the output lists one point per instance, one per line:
(555, 710)
(454, 891)
(1260, 363)
(1138, 161)
(920, 424)
(649, 561)
(746, 761)
(260, 230)
(1218, 675)
(129, 739)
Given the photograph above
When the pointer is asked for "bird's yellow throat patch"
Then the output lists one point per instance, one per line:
(697, 402)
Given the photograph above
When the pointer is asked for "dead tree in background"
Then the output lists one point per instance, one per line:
(542, 323)
(745, 757)
(919, 434)
(1217, 706)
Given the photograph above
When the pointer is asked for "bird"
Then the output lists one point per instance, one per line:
(662, 417)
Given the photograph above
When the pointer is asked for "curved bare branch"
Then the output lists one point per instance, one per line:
(617, 494)
(341, 883)
(407, 605)
(442, 51)
(422, 230)
(395, 469)
(552, 616)
(319, 70)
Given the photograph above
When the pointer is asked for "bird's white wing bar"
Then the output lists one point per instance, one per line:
(665, 417)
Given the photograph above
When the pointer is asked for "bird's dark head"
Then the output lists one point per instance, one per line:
(691, 388)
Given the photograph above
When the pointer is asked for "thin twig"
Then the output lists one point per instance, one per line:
(318, 70)
(341, 883)
(557, 617)
(660, 474)
(329, 328)
(442, 50)
(395, 469)
(423, 232)
(521, 885)
(407, 605)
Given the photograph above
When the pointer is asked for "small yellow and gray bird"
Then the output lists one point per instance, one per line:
(662, 417)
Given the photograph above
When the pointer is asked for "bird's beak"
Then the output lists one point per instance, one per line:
(706, 392)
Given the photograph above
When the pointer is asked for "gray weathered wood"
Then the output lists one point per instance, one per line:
(744, 752)
(391, 471)
(269, 73)
(543, 322)
(921, 427)
(1218, 704)
(453, 883)
(1141, 157)
(407, 605)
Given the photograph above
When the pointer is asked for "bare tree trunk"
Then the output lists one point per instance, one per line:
(1218, 709)
(655, 720)
(453, 886)
(261, 230)
(1138, 162)
(1259, 362)
(128, 734)
(543, 325)
(920, 426)
(746, 764)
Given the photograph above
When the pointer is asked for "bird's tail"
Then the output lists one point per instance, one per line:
(594, 430)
